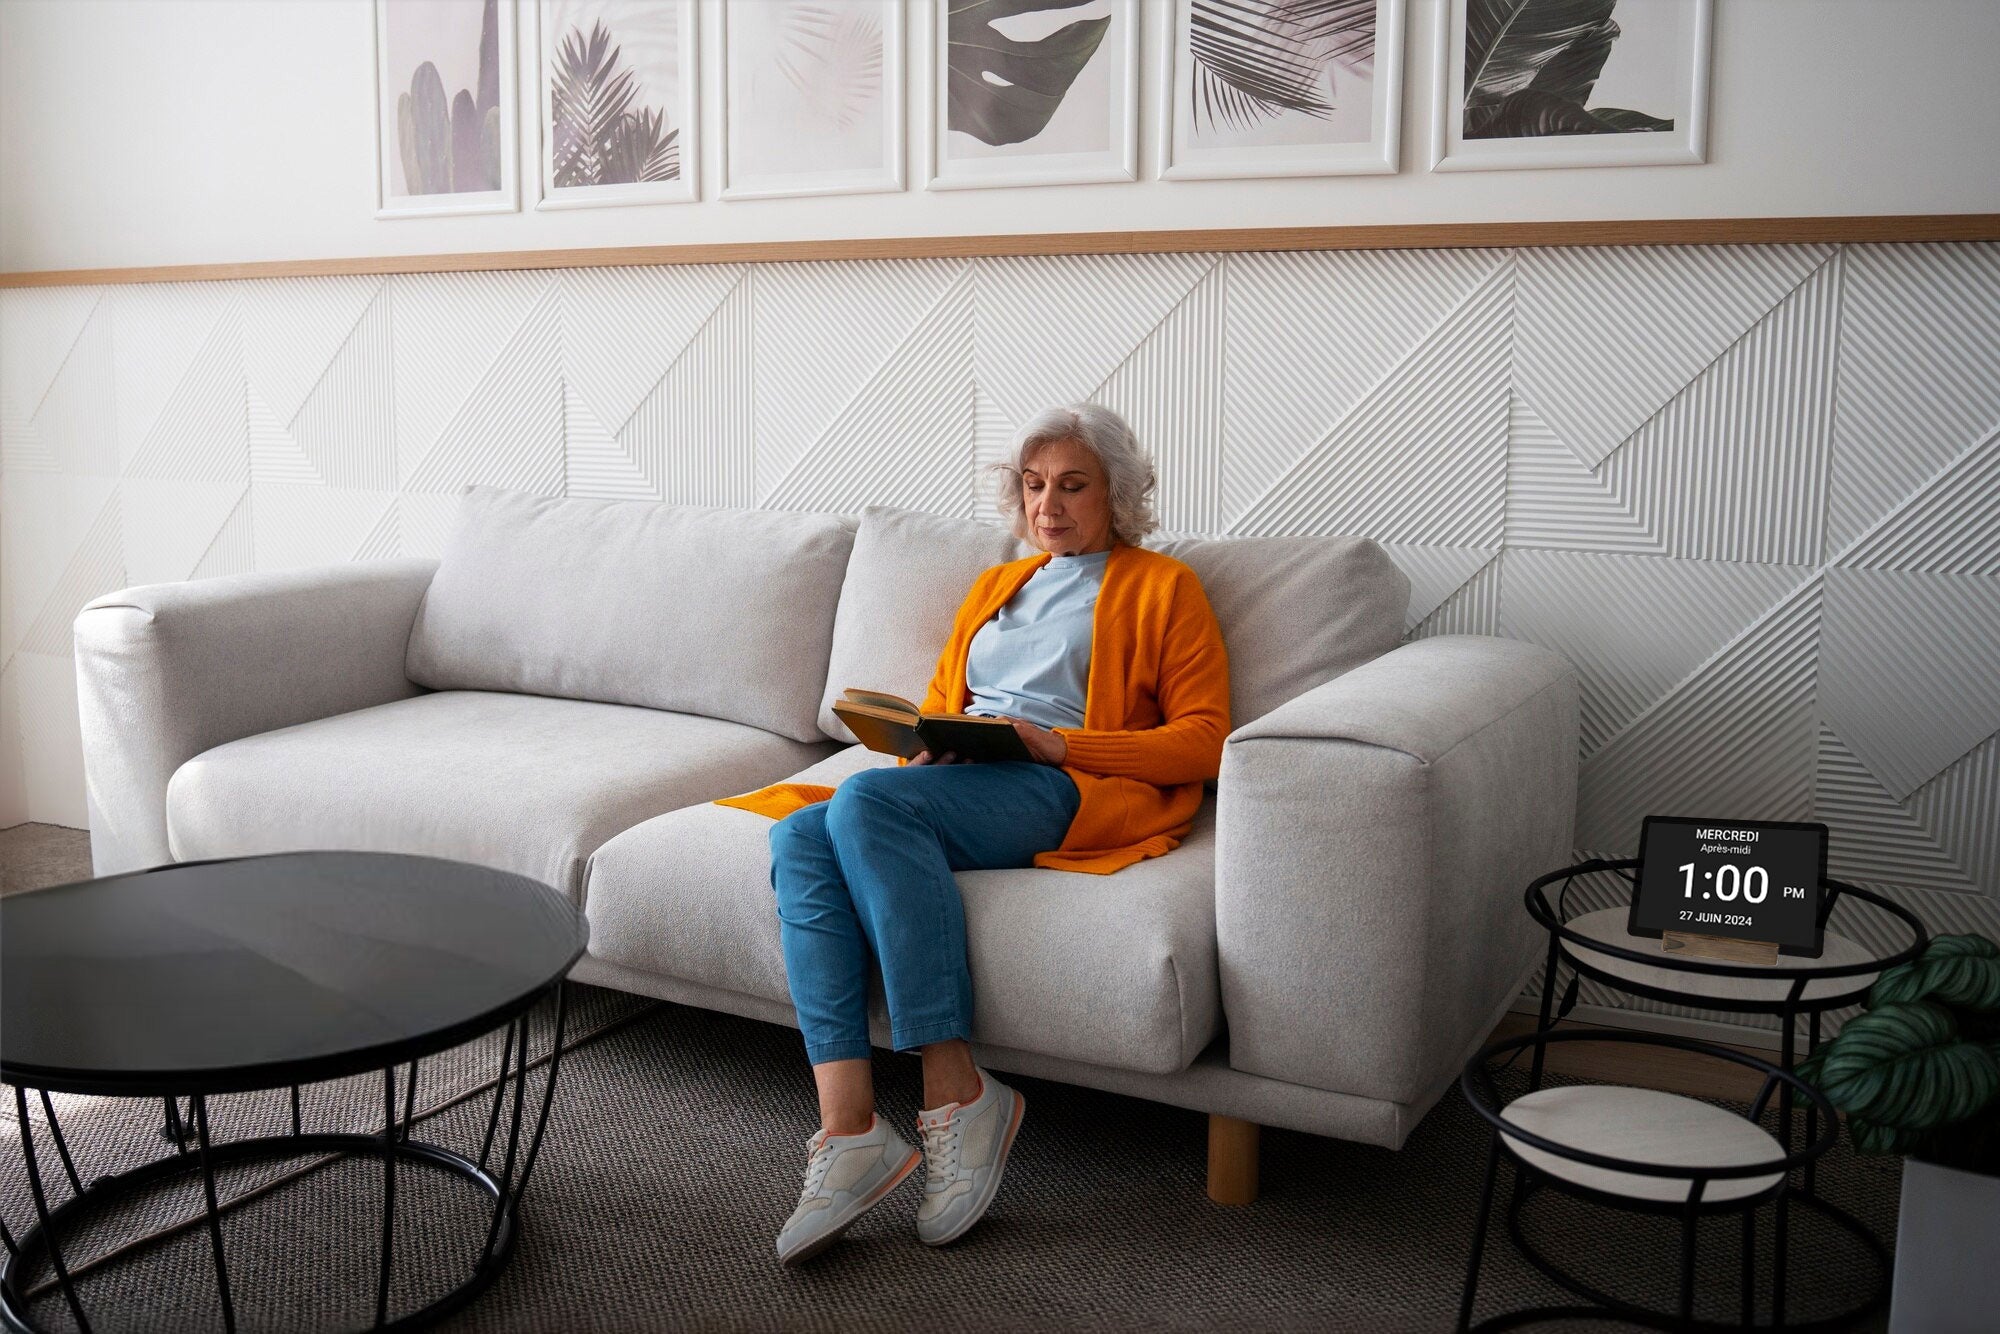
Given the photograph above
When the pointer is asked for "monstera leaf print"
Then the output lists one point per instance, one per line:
(1255, 59)
(1003, 91)
(1530, 65)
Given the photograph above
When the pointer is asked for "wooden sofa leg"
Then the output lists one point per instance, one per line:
(1232, 1160)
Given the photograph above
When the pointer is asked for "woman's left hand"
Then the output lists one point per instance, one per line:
(1046, 746)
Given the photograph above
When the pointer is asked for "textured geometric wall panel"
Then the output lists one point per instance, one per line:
(1636, 627)
(1753, 492)
(1908, 669)
(1605, 336)
(1735, 735)
(1919, 381)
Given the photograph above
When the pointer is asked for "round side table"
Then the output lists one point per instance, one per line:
(252, 973)
(1596, 944)
(1634, 1149)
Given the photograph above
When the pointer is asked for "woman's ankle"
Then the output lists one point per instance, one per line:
(846, 1096)
(847, 1124)
(949, 1074)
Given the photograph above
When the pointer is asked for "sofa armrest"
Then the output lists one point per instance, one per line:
(167, 671)
(1373, 839)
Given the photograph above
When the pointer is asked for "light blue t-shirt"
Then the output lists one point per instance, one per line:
(1032, 660)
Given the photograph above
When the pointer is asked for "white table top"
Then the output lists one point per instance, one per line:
(1644, 1126)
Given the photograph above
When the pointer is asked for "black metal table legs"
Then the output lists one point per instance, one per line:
(41, 1243)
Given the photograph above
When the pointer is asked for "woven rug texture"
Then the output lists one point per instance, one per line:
(675, 1150)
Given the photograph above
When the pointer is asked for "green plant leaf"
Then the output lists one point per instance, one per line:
(1001, 91)
(1870, 1137)
(1956, 970)
(1904, 1065)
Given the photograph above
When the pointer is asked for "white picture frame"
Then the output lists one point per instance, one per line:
(954, 164)
(1183, 156)
(417, 21)
(759, 117)
(1686, 143)
(640, 19)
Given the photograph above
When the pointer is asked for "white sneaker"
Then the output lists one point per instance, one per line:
(846, 1176)
(965, 1149)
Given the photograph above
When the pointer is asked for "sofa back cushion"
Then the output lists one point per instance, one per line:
(1295, 611)
(727, 613)
(905, 581)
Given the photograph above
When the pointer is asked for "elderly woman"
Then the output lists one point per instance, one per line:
(1108, 661)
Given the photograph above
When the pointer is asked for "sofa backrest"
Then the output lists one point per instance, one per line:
(722, 612)
(905, 581)
(1295, 611)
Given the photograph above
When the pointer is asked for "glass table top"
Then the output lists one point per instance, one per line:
(257, 972)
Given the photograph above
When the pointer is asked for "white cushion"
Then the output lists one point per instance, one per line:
(726, 613)
(908, 575)
(519, 782)
(1295, 611)
(1116, 970)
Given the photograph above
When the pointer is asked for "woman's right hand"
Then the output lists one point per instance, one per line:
(925, 757)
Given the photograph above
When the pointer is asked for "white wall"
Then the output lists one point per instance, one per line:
(136, 132)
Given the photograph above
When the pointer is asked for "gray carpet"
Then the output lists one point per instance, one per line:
(33, 855)
(675, 1151)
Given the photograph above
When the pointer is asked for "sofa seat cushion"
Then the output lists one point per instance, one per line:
(1118, 970)
(526, 783)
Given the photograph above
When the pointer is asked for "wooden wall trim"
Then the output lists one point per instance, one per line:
(1448, 235)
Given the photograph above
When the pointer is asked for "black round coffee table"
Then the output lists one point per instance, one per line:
(254, 973)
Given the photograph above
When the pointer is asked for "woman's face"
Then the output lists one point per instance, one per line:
(1066, 499)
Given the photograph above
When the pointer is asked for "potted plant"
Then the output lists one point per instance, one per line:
(1919, 1074)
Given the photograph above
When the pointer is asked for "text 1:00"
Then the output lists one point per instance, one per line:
(1755, 883)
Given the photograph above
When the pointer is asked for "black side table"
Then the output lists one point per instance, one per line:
(1597, 945)
(1634, 1149)
(253, 973)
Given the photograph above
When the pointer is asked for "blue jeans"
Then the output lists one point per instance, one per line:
(871, 870)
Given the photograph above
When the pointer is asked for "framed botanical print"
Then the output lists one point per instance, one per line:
(446, 132)
(1033, 92)
(618, 105)
(1570, 83)
(1277, 88)
(812, 97)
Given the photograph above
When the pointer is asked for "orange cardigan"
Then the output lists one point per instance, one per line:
(1156, 709)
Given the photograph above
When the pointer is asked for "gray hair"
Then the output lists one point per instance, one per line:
(1127, 468)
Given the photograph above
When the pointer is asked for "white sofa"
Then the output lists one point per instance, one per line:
(568, 690)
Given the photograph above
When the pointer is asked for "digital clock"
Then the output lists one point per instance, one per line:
(1747, 880)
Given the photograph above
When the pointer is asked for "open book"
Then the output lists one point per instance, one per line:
(894, 726)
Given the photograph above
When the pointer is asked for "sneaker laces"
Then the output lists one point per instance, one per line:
(821, 1156)
(941, 1140)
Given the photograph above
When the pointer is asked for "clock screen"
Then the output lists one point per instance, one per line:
(1748, 879)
